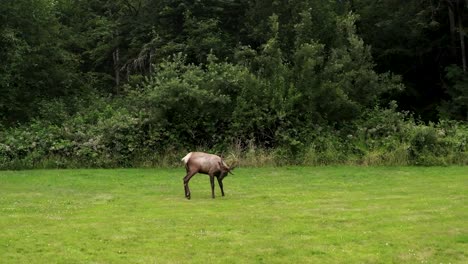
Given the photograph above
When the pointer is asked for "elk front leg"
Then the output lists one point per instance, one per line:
(212, 186)
(220, 182)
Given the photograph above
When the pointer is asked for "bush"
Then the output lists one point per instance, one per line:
(222, 108)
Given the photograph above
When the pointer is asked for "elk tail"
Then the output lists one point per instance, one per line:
(186, 158)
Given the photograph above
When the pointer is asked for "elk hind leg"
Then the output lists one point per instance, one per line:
(186, 186)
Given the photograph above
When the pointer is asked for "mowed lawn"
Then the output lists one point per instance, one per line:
(269, 215)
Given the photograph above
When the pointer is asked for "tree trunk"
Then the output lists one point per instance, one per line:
(151, 59)
(457, 7)
(452, 31)
(116, 58)
(462, 39)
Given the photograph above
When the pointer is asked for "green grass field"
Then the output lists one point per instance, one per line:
(269, 215)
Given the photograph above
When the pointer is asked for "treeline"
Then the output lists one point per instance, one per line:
(138, 83)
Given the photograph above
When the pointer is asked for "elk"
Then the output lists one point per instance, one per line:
(213, 165)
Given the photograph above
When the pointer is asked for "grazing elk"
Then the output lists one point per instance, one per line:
(199, 162)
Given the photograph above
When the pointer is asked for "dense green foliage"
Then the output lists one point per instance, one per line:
(140, 82)
(269, 215)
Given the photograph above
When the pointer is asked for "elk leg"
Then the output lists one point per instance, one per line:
(220, 182)
(212, 186)
(186, 187)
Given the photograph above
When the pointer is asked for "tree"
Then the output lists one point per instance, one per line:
(418, 40)
(35, 64)
(337, 85)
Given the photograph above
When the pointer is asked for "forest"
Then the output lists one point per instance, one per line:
(136, 83)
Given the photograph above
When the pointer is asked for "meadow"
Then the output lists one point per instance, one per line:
(341, 214)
